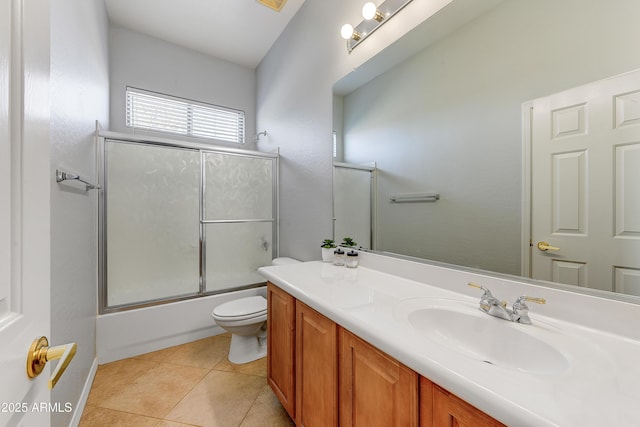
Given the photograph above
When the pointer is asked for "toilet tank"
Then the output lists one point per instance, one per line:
(283, 260)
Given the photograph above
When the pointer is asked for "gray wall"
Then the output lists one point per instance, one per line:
(149, 63)
(449, 120)
(79, 87)
(294, 96)
(294, 104)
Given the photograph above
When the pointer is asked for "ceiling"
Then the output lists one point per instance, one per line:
(239, 31)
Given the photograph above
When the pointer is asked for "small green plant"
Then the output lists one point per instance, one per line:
(328, 244)
(348, 241)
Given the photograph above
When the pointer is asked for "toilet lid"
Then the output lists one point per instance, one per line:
(242, 307)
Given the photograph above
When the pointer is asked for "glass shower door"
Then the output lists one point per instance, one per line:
(238, 218)
(153, 233)
(352, 204)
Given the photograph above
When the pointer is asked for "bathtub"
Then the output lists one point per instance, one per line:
(133, 332)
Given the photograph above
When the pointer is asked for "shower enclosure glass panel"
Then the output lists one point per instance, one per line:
(179, 220)
(238, 187)
(233, 263)
(353, 204)
(152, 205)
(239, 218)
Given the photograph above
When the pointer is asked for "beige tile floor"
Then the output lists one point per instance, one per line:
(188, 385)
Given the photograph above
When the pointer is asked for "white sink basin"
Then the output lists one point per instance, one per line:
(460, 326)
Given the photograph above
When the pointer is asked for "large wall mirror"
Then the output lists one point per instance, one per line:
(450, 120)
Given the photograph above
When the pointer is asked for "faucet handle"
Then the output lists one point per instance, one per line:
(487, 295)
(475, 285)
(521, 310)
(524, 298)
(520, 306)
(487, 300)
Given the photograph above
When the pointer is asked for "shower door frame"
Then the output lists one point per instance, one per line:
(101, 139)
(373, 200)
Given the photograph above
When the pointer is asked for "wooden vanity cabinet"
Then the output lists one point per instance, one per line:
(281, 308)
(375, 389)
(316, 368)
(326, 376)
(302, 360)
(439, 408)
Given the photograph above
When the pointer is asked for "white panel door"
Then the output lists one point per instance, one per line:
(585, 191)
(25, 180)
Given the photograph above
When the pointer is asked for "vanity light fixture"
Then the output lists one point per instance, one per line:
(370, 11)
(374, 17)
(348, 33)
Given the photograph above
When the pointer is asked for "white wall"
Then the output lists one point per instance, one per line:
(294, 104)
(149, 63)
(449, 120)
(79, 96)
(295, 80)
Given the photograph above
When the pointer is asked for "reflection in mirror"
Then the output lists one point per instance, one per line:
(353, 187)
(450, 120)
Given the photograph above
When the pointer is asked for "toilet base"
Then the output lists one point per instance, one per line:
(245, 349)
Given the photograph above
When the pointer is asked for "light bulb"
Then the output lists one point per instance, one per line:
(369, 10)
(346, 32)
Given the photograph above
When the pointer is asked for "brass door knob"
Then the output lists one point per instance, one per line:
(40, 353)
(544, 246)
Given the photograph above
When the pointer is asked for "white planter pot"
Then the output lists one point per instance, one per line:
(327, 254)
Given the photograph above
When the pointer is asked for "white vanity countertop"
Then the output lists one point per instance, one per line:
(599, 386)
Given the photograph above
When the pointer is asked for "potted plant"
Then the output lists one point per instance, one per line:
(328, 245)
(348, 242)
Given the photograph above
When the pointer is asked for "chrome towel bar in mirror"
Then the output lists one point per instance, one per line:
(417, 197)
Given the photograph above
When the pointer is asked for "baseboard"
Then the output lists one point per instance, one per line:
(82, 402)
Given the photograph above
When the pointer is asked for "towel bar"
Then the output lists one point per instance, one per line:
(67, 176)
(419, 197)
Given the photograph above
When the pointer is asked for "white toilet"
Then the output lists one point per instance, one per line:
(246, 319)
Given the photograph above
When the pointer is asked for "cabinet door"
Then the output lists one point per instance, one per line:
(281, 346)
(451, 411)
(375, 389)
(426, 403)
(316, 369)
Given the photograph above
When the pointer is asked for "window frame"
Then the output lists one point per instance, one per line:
(193, 123)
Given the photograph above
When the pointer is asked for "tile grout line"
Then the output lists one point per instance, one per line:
(164, 418)
(205, 376)
(161, 365)
(137, 415)
(250, 407)
(237, 372)
(166, 363)
(218, 366)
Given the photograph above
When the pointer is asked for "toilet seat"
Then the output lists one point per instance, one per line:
(241, 309)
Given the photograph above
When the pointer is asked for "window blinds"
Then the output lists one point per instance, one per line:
(153, 111)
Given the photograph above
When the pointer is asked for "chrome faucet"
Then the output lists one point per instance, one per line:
(519, 311)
